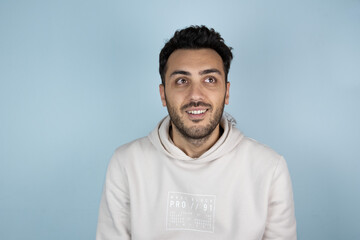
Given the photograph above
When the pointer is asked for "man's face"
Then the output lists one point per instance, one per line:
(195, 91)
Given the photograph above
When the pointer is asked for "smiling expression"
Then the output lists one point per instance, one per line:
(195, 91)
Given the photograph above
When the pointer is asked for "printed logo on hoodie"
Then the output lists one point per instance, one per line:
(187, 211)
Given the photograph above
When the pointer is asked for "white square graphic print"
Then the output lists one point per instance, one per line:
(187, 211)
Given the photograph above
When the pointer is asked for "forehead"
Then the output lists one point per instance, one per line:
(194, 59)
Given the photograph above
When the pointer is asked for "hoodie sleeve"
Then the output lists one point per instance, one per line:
(281, 223)
(114, 212)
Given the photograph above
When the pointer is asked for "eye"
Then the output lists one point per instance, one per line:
(210, 80)
(181, 81)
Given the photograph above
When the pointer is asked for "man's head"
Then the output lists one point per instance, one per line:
(194, 66)
(195, 37)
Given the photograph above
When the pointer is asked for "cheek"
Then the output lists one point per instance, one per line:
(174, 103)
(218, 97)
(174, 99)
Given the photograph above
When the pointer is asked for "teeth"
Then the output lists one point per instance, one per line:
(197, 112)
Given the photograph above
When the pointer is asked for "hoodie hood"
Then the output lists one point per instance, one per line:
(230, 138)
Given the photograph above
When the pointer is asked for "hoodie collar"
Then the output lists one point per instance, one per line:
(226, 143)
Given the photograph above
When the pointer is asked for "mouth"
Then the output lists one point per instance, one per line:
(196, 112)
(196, 115)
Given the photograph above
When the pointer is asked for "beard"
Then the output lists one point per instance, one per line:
(196, 132)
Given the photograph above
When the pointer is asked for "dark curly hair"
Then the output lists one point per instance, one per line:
(195, 37)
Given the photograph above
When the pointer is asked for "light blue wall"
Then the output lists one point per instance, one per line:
(79, 78)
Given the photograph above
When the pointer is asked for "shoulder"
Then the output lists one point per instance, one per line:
(127, 153)
(258, 148)
(135, 145)
(258, 154)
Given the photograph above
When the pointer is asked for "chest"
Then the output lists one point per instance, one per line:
(210, 201)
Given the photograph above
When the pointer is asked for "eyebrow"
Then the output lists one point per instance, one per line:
(212, 70)
(180, 72)
(203, 72)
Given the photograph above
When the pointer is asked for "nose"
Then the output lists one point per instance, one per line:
(196, 92)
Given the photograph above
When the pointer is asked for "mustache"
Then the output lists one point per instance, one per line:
(195, 104)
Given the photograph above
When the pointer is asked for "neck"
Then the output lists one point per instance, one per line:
(194, 148)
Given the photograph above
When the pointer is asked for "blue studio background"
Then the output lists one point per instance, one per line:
(79, 78)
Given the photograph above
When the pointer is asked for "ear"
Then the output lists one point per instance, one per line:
(227, 93)
(162, 94)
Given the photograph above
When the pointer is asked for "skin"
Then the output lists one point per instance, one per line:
(195, 81)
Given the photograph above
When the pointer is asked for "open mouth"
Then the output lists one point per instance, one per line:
(197, 112)
(197, 115)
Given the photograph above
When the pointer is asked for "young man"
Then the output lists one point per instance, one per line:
(196, 176)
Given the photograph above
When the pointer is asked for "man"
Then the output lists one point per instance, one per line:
(196, 176)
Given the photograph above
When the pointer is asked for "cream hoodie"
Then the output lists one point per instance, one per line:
(238, 189)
